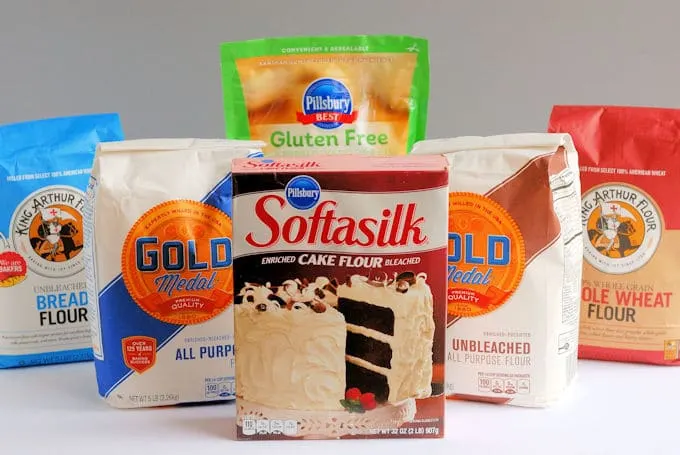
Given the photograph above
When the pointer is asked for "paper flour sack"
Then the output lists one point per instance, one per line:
(630, 161)
(514, 266)
(44, 168)
(158, 249)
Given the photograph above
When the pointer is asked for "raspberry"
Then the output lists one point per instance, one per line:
(367, 401)
(353, 394)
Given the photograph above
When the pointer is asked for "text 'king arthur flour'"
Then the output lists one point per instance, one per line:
(514, 266)
(159, 256)
(630, 213)
(340, 276)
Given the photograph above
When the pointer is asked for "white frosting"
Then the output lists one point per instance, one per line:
(294, 291)
(410, 374)
(289, 358)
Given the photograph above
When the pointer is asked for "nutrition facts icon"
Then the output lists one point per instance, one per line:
(263, 427)
(290, 427)
(484, 384)
(523, 386)
(497, 386)
(249, 427)
(671, 350)
(510, 386)
(276, 427)
(252, 426)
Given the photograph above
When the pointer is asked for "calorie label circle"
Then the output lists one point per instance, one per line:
(176, 262)
(486, 255)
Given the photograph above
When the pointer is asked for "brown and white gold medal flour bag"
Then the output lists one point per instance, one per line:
(327, 94)
(630, 168)
(158, 264)
(515, 256)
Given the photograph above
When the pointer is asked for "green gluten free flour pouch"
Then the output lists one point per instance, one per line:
(322, 95)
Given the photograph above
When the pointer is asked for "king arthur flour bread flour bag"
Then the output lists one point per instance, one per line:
(630, 212)
(158, 250)
(514, 266)
(44, 169)
(327, 94)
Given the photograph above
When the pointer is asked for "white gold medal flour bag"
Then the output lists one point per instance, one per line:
(514, 266)
(44, 168)
(159, 270)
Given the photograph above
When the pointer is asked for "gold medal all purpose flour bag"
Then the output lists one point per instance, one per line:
(328, 94)
(514, 266)
(159, 270)
(44, 168)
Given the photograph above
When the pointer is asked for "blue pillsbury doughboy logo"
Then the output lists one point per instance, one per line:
(303, 192)
(327, 104)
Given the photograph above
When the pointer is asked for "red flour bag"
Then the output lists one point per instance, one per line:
(630, 176)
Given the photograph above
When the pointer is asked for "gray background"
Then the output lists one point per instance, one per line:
(497, 66)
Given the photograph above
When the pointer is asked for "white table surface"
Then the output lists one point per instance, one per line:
(613, 409)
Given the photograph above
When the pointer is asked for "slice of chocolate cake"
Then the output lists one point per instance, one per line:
(390, 331)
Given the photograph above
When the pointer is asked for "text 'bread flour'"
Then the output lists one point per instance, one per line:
(44, 169)
(323, 95)
(340, 282)
(158, 248)
(630, 213)
(514, 266)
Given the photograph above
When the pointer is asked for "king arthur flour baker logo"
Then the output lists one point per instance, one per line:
(622, 227)
(327, 104)
(47, 231)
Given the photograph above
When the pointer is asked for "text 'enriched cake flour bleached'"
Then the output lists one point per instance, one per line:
(630, 213)
(514, 266)
(328, 94)
(340, 276)
(44, 169)
(159, 256)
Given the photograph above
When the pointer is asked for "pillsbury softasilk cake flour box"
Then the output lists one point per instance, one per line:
(340, 296)
(158, 264)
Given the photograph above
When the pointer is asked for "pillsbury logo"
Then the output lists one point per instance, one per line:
(303, 192)
(327, 104)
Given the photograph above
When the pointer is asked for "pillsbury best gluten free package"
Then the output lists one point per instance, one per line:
(44, 169)
(327, 94)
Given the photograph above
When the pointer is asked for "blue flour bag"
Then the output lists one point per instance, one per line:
(44, 170)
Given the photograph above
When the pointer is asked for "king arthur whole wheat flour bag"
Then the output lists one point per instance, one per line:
(514, 266)
(630, 213)
(158, 263)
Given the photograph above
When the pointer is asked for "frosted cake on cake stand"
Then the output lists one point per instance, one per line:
(320, 360)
